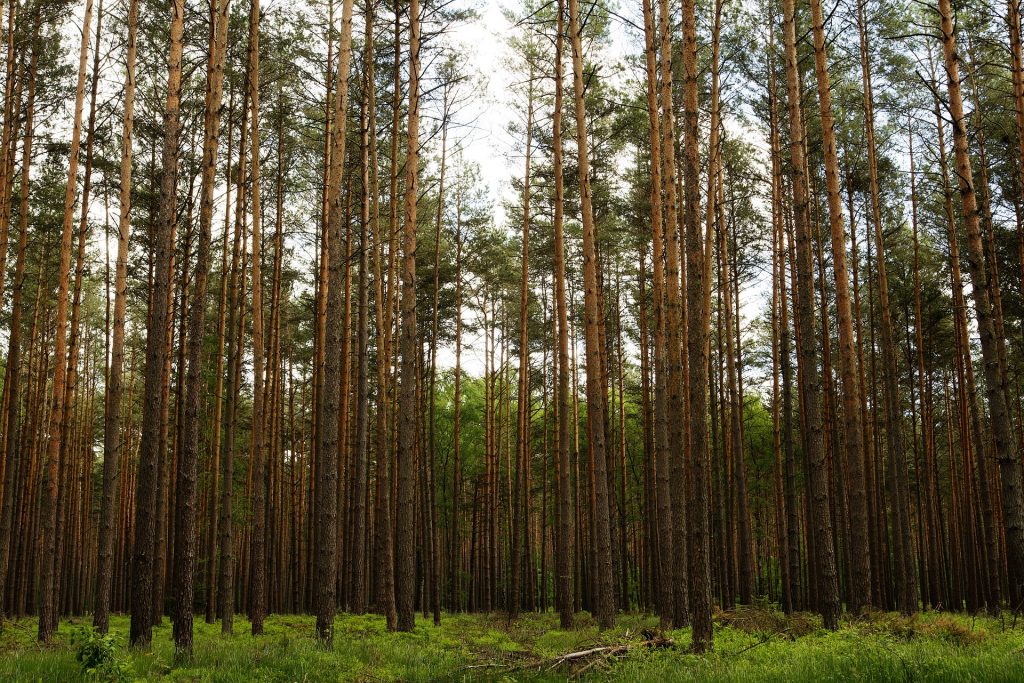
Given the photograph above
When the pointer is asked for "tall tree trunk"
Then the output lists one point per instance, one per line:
(433, 536)
(187, 472)
(699, 309)
(666, 594)
(219, 21)
(566, 536)
(235, 331)
(734, 396)
(384, 540)
(852, 396)
(49, 588)
(780, 366)
(929, 595)
(454, 539)
(523, 399)
(810, 373)
(992, 586)
(68, 437)
(604, 605)
(405, 569)
(368, 213)
(327, 423)
(906, 577)
(675, 416)
(1002, 429)
(12, 372)
(258, 553)
(156, 347)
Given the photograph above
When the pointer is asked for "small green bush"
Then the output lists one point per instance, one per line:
(101, 657)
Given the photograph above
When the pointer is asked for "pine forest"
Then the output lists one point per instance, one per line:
(605, 339)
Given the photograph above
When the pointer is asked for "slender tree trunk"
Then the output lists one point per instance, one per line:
(384, 589)
(565, 555)
(429, 470)
(937, 557)
(780, 336)
(455, 541)
(852, 396)
(699, 309)
(810, 385)
(906, 574)
(368, 213)
(328, 410)
(218, 21)
(519, 510)
(735, 398)
(405, 568)
(68, 436)
(258, 553)
(49, 587)
(185, 487)
(675, 320)
(384, 541)
(604, 605)
(12, 373)
(72, 393)
(666, 594)
(991, 556)
(235, 330)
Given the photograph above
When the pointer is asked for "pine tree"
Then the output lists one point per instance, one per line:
(405, 465)
(156, 346)
(48, 606)
(604, 598)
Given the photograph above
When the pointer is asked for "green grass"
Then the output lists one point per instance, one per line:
(750, 645)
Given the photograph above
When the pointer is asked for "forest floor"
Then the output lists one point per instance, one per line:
(750, 645)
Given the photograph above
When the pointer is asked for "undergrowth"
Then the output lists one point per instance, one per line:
(751, 644)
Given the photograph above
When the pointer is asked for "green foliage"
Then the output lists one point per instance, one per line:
(101, 656)
(753, 643)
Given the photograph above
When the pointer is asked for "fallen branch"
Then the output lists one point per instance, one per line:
(591, 657)
(608, 650)
(582, 660)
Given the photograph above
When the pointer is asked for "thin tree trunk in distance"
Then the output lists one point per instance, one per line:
(906, 577)
(522, 403)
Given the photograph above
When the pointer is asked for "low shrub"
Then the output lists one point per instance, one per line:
(102, 658)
